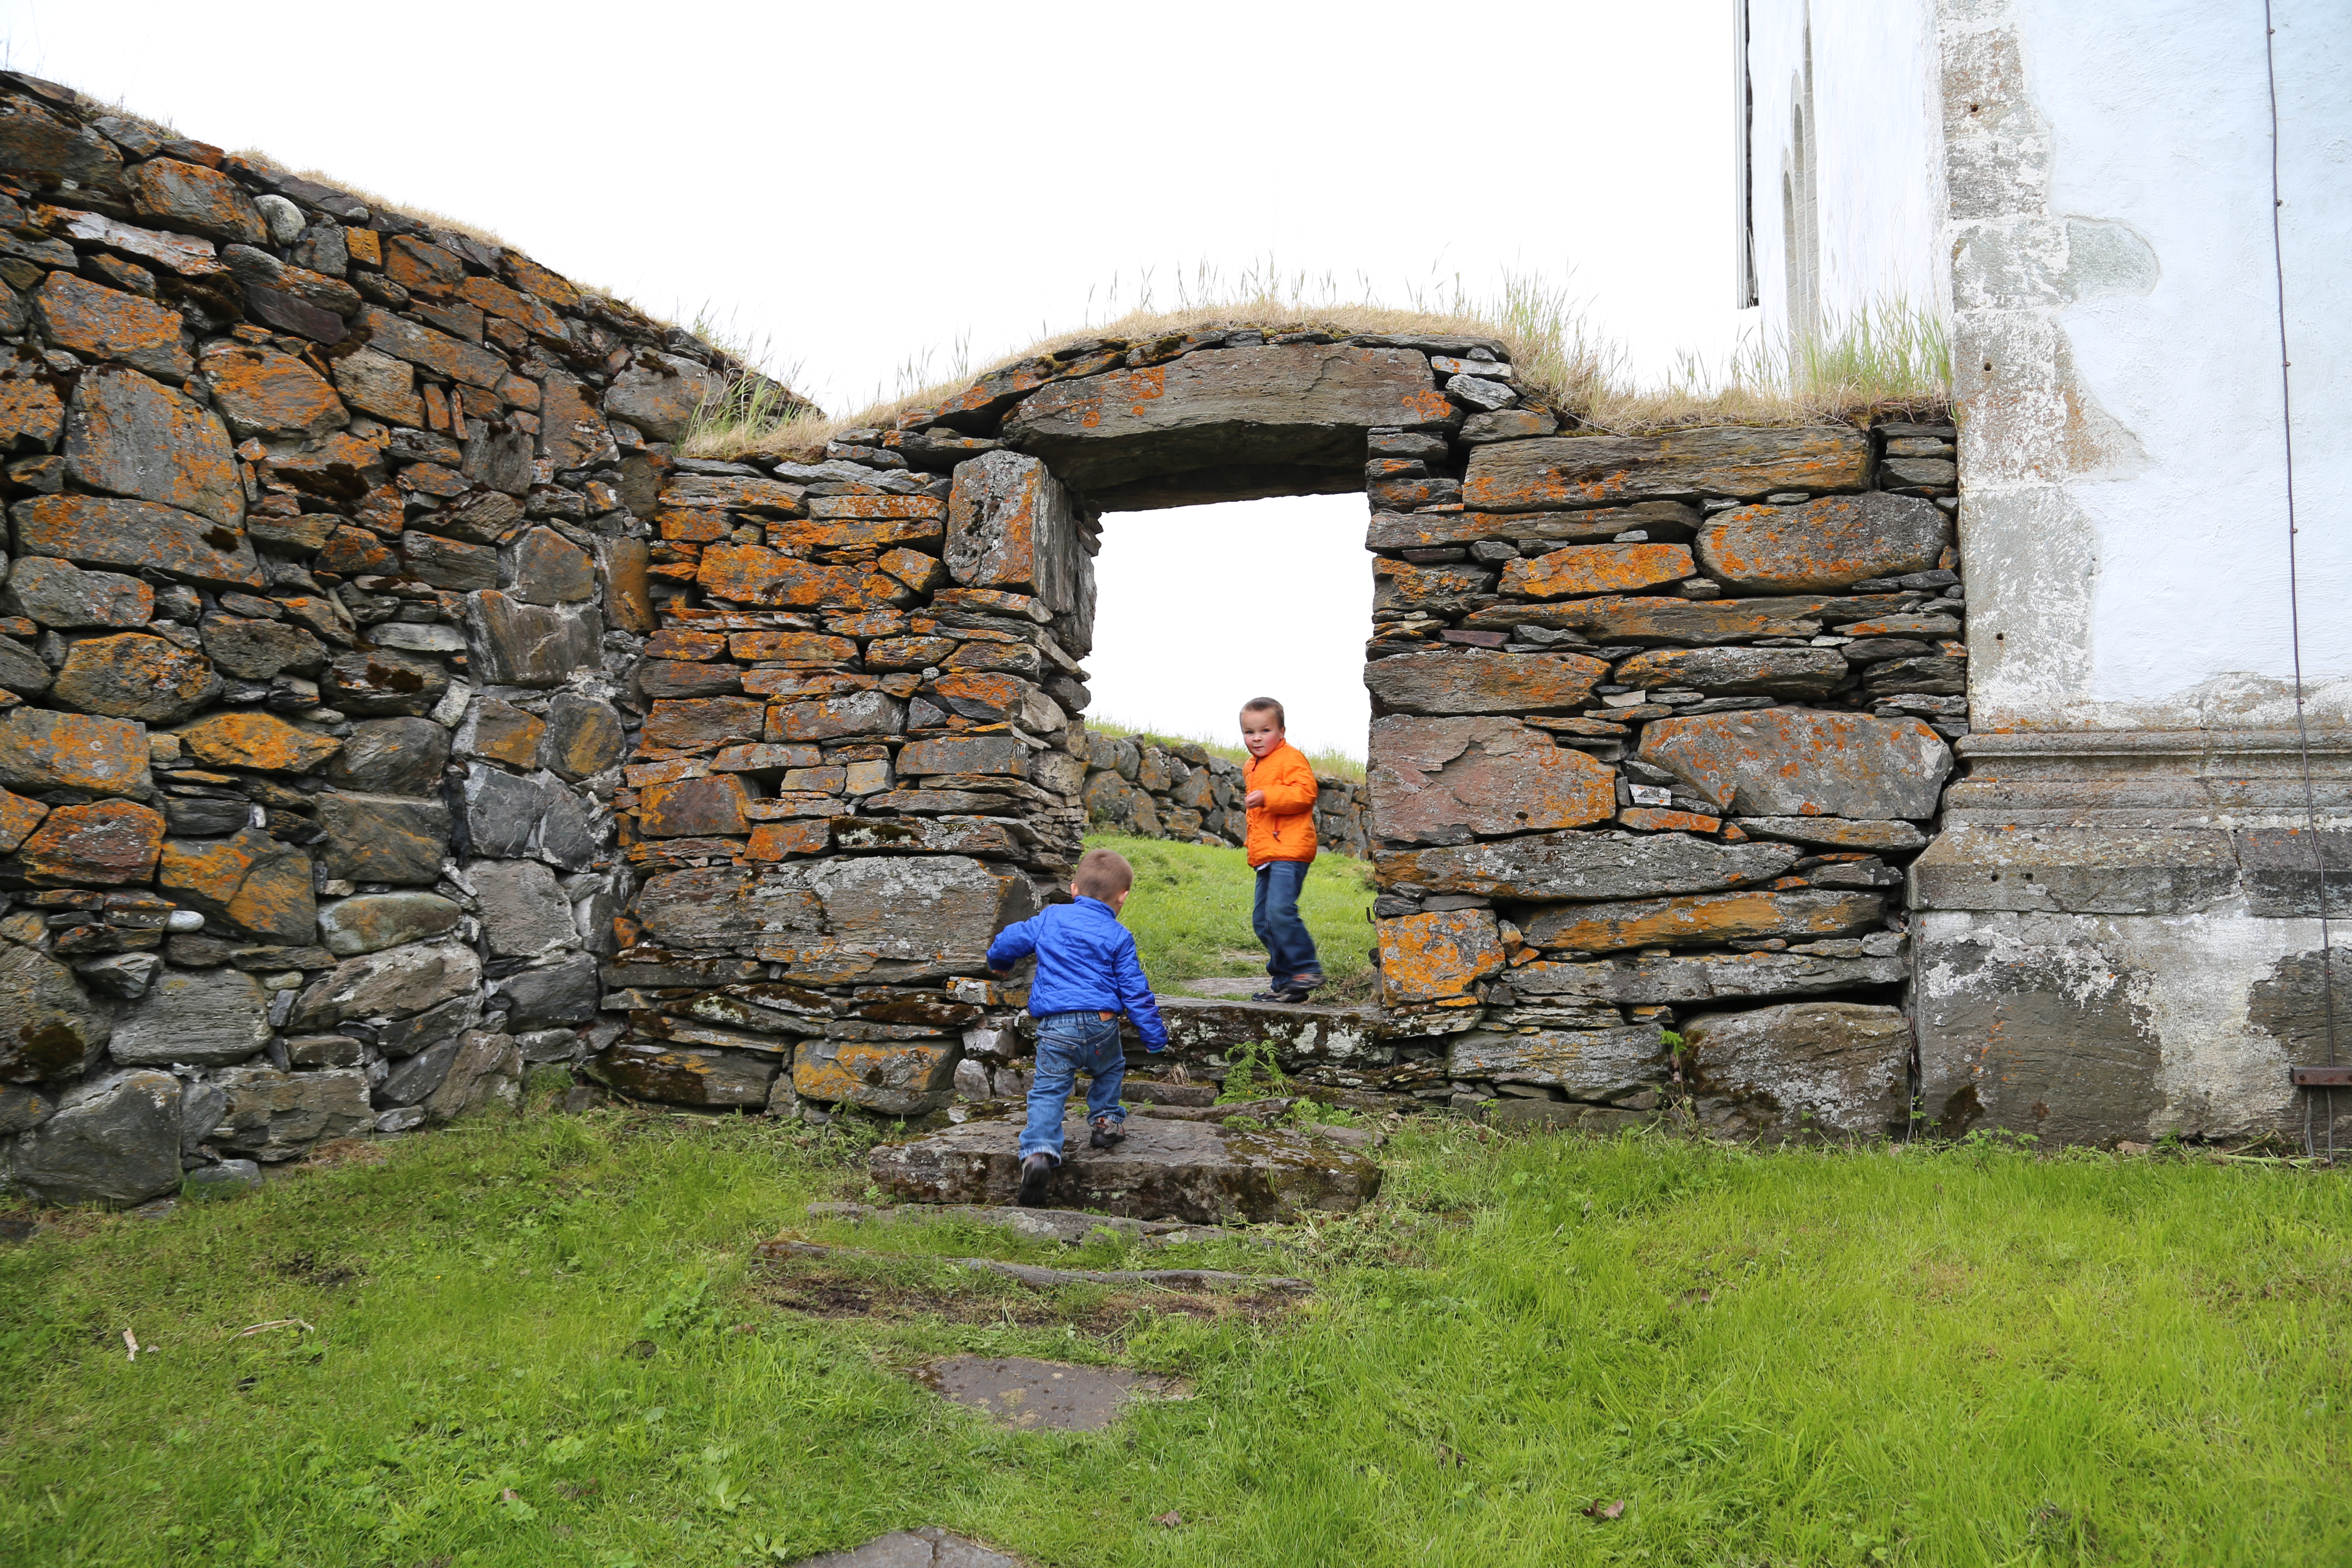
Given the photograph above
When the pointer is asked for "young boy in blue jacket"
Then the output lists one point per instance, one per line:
(1088, 975)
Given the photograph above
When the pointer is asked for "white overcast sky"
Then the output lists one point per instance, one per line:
(857, 187)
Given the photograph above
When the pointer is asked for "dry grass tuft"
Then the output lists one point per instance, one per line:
(1891, 359)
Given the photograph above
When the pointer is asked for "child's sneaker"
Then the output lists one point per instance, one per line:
(1034, 1171)
(1287, 991)
(1107, 1132)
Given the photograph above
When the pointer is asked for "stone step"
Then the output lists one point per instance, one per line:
(1304, 1034)
(1197, 1172)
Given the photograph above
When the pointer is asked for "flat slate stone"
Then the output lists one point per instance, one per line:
(1302, 1036)
(1444, 781)
(1192, 1171)
(1802, 1071)
(1588, 866)
(1481, 680)
(1595, 1064)
(927, 1548)
(1833, 543)
(1744, 463)
(1037, 1395)
(1707, 977)
(1798, 762)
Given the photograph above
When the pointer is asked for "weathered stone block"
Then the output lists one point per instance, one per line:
(103, 843)
(1687, 622)
(1680, 980)
(50, 1026)
(676, 1074)
(1739, 671)
(895, 1078)
(1480, 680)
(694, 807)
(1582, 569)
(61, 594)
(1589, 1064)
(1823, 544)
(376, 683)
(205, 1017)
(1010, 525)
(1197, 1172)
(275, 1115)
(1302, 1036)
(514, 643)
(1836, 832)
(658, 393)
(436, 351)
(248, 878)
(261, 392)
(1802, 1070)
(108, 325)
(130, 435)
(703, 723)
(561, 992)
(379, 384)
(523, 911)
(1704, 919)
(373, 921)
(2078, 870)
(52, 147)
(829, 718)
(43, 751)
(133, 675)
(584, 736)
(400, 982)
(1217, 414)
(255, 649)
(485, 1074)
(447, 563)
(1589, 866)
(116, 1141)
(382, 838)
(18, 817)
(1428, 956)
(914, 918)
(1445, 781)
(1792, 762)
(193, 197)
(392, 756)
(259, 741)
(1741, 462)
(92, 530)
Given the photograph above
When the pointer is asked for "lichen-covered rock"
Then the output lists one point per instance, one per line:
(192, 197)
(42, 750)
(50, 147)
(113, 1141)
(484, 1074)
(50, 1026)
(1445, 781)
(658, 393)
(261, 392)
(584, 736)
(1301, 1036)
(1588, 1064)
(377, 682)
(894, 1077)
(1836, 832)
(549, 569)
(1704, 919)
(61, 594)
(18, 817)
(1802, 1070)
(681, 1075)
(1741, 462)
(262, 741)
(1010, 525)
(1823, 544)
(392, 756)
(130, 435)
(1197, 1172)
(109, 324)
(275, 1116)
(379, 384)
(1582, 569)
(1428, 956)
(1480, 680)
(204, 1017)
(512, 643)
(1681, 979)
(252, 648)
(1590, 866)
(102, 844)
(383, 838)
(1799, 672)
(134, 675)
(1794, 762)
(523, 911)
(136, 535)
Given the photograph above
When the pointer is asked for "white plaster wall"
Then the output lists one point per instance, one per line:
(2158, 120)
(1880, 152)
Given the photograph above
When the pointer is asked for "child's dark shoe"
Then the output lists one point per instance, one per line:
(1107, 1133)
(1034, 1171)
(1285, 992)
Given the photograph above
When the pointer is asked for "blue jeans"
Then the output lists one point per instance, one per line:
(1069, 1044)
(1274, 915)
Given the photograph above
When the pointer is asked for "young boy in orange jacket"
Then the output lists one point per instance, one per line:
(1281, 802)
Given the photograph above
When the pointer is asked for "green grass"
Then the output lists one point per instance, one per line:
(1191, 909)
(1955, 1356)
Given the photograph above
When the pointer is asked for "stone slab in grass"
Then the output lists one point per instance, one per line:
(1197, 1172)
(929, 1547)
(1038, 1396)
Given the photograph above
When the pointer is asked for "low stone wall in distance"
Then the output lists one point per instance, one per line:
(1187, 793)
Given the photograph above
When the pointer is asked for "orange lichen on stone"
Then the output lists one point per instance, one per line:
(1425, 957)
(104, 842)
(1699, 918)
(1658, 819)
(695, 807)
(789, 647)
(775, 840)
(260, 740)
(1582, 569)
(18, 817)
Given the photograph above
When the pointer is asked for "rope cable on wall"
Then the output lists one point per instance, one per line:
(2293, 587)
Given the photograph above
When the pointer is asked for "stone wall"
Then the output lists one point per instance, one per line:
(327, 575)
(1181, 790)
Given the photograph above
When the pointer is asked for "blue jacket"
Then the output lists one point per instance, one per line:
(1086, 963)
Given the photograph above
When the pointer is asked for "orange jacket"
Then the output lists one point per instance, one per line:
(1283, 828)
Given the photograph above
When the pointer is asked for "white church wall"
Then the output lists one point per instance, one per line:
(2117, 359)
(1874, 148)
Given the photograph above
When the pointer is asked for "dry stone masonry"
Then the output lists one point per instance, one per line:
(327, 576)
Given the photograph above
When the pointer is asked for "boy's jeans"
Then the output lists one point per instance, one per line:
(1069, 1044)
(1274, 915)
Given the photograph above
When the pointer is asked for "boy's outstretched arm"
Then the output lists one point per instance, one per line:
(1013, 943)
(1135, 996)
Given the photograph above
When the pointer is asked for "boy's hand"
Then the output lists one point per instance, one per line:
(1255, 799)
